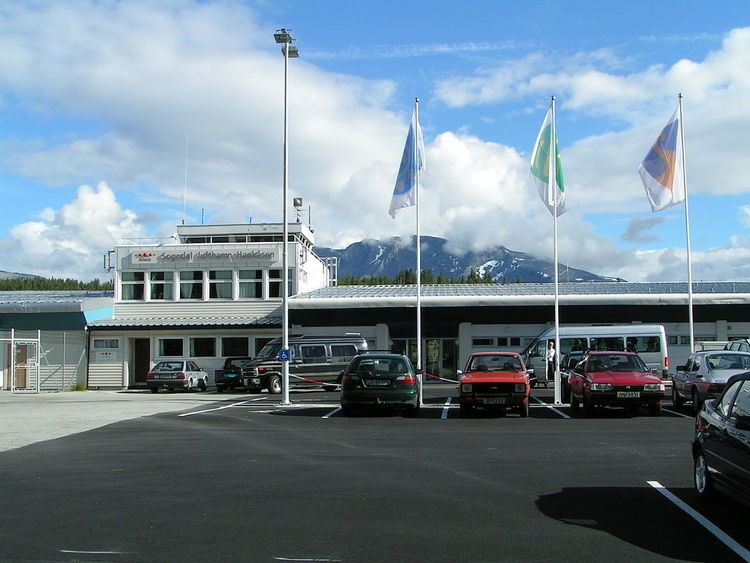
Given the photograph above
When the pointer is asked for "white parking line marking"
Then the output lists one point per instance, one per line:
(703, 521)
(550, 407)
(220, 408)
(677, 413)
(334, 411)
(446, 408)
(91, 552)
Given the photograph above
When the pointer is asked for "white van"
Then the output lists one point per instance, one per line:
(649, 341)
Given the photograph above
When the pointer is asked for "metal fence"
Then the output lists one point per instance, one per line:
(34, 361)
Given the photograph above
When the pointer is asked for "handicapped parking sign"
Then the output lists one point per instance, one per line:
(285, 355)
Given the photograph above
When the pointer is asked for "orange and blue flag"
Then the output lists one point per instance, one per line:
(662, 169)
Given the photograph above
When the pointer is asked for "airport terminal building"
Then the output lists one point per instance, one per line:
(215, 291)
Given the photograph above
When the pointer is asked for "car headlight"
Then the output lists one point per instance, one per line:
(653, 387)
(601, 387)
(466, 387)
(520, 387)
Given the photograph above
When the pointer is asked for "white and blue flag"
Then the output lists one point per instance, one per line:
(662, 168)
(405, 191)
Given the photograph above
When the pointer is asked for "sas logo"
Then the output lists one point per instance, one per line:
(144, 256)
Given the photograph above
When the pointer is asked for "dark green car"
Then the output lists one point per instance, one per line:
(380, 380)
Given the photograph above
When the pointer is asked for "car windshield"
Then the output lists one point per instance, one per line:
(616, 362)
(168, 366)
(269, 351)
(495, 363)
(728, 361)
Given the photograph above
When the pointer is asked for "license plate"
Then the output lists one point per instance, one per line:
(378, 382)
(628, 394)
(495, 401)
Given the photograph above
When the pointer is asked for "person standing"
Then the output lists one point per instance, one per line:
(550, 363)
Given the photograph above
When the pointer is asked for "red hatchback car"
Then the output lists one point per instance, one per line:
(494, 381)
(619, 379)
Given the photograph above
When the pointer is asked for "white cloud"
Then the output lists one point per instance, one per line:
(70, 242)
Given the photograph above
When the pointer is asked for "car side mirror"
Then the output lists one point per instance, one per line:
(742, 423)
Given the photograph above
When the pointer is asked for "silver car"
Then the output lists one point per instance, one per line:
(177, 374)
(705, 374)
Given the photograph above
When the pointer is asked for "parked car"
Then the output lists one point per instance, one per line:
(316, 361)
(568, 364)
(236, 373)
(705, 374)
(615, 379)
(380, 380)
(176, 374)
(494, 381)
(721, 447)
(738, 345)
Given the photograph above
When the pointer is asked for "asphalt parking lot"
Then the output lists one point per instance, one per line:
(239, 477)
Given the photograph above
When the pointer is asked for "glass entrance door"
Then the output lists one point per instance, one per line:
(439, 356)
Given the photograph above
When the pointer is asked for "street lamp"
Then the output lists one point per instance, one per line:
(284, 37)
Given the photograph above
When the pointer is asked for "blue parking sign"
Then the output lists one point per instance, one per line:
(285, 355)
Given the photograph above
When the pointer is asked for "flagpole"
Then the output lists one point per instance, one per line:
(687, 226)
(419, 253)
(553, 183)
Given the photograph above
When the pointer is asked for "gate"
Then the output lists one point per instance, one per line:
(21, 366)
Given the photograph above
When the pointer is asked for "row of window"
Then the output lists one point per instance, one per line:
(500, 341)
(194, 284)
(197, 346)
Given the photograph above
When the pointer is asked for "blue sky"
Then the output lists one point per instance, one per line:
(96, 99)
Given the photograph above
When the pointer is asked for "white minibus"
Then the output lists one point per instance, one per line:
(649, 341)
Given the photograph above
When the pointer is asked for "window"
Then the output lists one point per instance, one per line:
(275, 281)
(234, 346)
(161, 286)
(515, 340)
(685, 340)
(251, 284)
(672, 340)
(220, 284)
(191, 284)
(482, 341)
(346, 351)
(608, 343)
(572, 345)
(742, 403)
(203, 347)
(106, 343)
(170, 347)
(313, 353)
(644, 344)
(132, 285)
(502, 341)
(726, 399)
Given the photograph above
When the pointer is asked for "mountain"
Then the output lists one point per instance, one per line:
(15, 276)
(388, 258)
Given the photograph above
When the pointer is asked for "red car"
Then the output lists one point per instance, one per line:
(619, 379)
(494, 380)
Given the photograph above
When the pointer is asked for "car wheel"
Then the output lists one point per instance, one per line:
(274, 385)
(346, 410)
(655, 410)
(574, 404)
(524, 410)
(702, 478)
(566, 393)
(677, 401)
(696, 401)
(467, 411)
(189, 387)
(412, 412)
(154, 389)
(219, 388)
(588, 407)
(202, 385)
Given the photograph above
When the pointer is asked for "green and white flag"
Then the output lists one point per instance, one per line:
(551, 186)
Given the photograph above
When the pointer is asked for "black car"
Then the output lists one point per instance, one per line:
(233, 374)
(380, 380)
(567, 363)
(721, 448)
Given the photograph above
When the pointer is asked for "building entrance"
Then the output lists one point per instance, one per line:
(141, 362)
(439, 356)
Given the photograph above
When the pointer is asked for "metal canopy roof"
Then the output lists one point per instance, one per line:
(186, 322)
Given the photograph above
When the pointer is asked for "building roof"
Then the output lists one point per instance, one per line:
(452, 295)
(186, 322)
(54, 301)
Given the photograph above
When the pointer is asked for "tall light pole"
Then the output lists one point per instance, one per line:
(284, 37)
